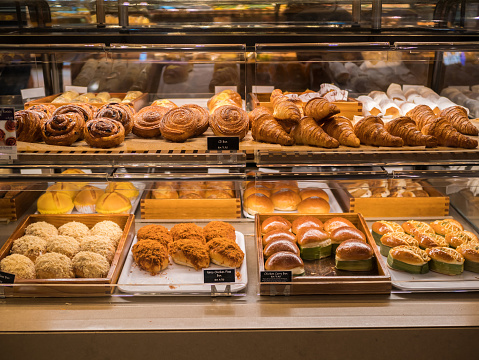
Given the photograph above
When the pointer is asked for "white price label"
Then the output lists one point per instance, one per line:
(32, 94)
(78, 89)
(258, 89)
(219, 89)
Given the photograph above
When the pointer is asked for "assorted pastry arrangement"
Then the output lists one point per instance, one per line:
(71, 97)
(193, 190)
(187, 244)
(417, 247)
(268, 196)
(287, 245)
(69, 251)
(83, 198)
(386, 188)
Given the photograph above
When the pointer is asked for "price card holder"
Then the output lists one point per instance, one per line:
(8, 136)
(219, 89)
(223, 143)
(5, 278)
(216, 276)
(32, 94)
(276, 276)
(78, 89)
(258, 89)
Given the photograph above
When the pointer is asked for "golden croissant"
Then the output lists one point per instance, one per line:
(285, 109)
(457, 116)
(405, 128)
(319, 108)
(370, 130)
(341, 128)
(308, 132)
(266, 128)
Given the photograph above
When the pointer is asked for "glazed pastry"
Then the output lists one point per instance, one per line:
(410, 259)
(285, 260)
(122, 113)
(319, 108)
(274, 235)
(442, 227)
(340, 128)
(354, 255)
(179, 124)
(457, 238)
(336, 222)
(429, 240)
(308, 132)
(344, 233)
(29, 125)
(314, 244)
(266, 128)
(470, 253)
(392, 239)
(412, 227)
(280, 245)
(48, 109)
(104, 133)
(82, 109)
(275, 223)
(304, 222)
(203, 117)
(146, 122)
(445, 260)
(405, 128)
(229, 120)
(63, 129)
(164, 103)
(371, 131)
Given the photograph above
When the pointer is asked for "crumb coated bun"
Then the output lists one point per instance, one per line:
(286, 200)
(285, 260)
(313, 205)
(470, 251)
(225, 252)
(256, 189)
(303, 222)
(393, 239)
(151, 231)
(100, 245)
(113, 203)
(280, 245)
(278, 235)
(354, 250)
(343, 233)
(310, 236)
(63, 244)
(409, 254)
(382, 227)
(258, 204)
(30, 246)
(74, 229)
(87, 264)
(190, 253)
(216, 229)
(54, 266)
(446, 255)
(54, 203)
(336, 222)
(108, 228)
(19, 265)
(275, 223)
(310, 192)
(188, 231)
(87, 198)
(150, 256)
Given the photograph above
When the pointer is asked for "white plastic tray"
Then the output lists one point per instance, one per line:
(177, 279)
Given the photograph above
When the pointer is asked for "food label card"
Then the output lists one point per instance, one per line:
(6, 278)
(212, 276)
(8, 137)
(78, 89)
(219, 89)
(32, 94)
(223, 142)
(276, 276)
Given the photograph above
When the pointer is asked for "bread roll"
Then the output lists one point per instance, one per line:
(409, 254)
(275, 223)
(442, 227)
(164, 192)
(413, 227)
(457, 238)
(280, 245)
(278, 235)
(304, 222)
(354, 250)
(280, 185)
(286, 200)
(343, 233)
(257, 189)
(469, 251)
(285, 260)
(445, 260)
(225, 252)
(336, 222)
(383, 227)
(429, 240)
(310, 192)
(258, 203)
(190, 253)
(313, 205)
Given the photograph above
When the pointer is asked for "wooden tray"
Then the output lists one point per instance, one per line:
(348, 108)
(76, 286)
(190, 208)
(321, 277)
(137, 103)
(437, 204)
(12, 208)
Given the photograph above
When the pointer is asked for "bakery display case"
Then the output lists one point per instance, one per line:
(356, 112)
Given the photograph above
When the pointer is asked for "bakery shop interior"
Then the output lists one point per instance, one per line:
(313, 156)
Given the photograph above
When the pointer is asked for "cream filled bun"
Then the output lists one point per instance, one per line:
(285, 260)
(304, 222)
(280, 245)
(278, 235)
(314, 205)
(275, 223)
(286, 200)
(258, 203)
(311, 237)
(310, 192)
(411, 255)
(354, 250)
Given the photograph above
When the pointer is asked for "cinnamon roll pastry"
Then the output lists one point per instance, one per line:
(229, 120)
(146, 122)
(87, 111)
(29, 125)
(63, 129)
(48, 109)
(179, 124)
(203, 117)
(120, 112)
(104, 133)
(168, 104)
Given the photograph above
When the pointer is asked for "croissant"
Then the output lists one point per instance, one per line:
(266, 128)
(370, 130)
(341, 128)
(227, 97)
(308, 132)
(457, 116)
(440, 128)
(405, 128)
(285, 109)
(29, 125)
(319, 108)
(257, 112)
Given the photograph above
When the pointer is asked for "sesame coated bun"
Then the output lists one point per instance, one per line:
(258, 203)
(309, 192)
(313, 205)
(354, 250)
(286, 200)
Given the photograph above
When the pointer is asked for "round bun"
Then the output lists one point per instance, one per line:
(283, 185)
(310, 192)
(87, 264)
(20, 265)
(275, 223)
(354, 250)
(311, 236)
(86, 199)
(336, 222)
(190, 253)
(278, 235)
(304, 222)
(54, 203)
(150, 255)
(409, 254)
(313, 205)
(53, 266)
(257, 189)
(280, 245)
(258, 203)
(285, 260)
(113, 203)
(286, 200)
(446, 255)
(225, 252)
(164, 192)
(343, 233)
(125, 188)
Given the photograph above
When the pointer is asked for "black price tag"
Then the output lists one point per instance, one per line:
(219, 275)
(7, 114)
(223, 142)
(6, 278)
(276, 276)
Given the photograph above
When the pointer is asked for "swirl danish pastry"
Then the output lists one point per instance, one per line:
(63, 129)
(229, 120)
(104, 133)
(203, 117)
(179, 124)
(120, 112)
(146, 122)
(85, 110)
(48, 109)
(29, 125)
